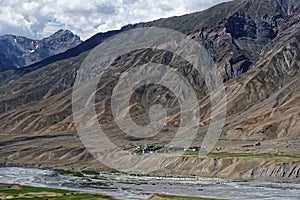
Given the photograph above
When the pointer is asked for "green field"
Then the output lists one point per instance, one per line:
(39, 193)
(249, 155)
(240, 155)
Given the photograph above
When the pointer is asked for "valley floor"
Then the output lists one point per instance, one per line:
(137, 187)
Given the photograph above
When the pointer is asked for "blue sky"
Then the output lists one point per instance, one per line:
(40, 18)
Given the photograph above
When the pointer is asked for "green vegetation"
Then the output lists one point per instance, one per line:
(182, 198)
(148, 149)
(250, 155)
(90, 172)
(240, 155)
(190, 153)
(69, 172)
(16, 190)
(38, 193)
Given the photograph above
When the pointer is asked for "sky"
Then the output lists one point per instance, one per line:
(41, 18)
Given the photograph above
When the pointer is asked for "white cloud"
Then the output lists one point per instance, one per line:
(36, 19)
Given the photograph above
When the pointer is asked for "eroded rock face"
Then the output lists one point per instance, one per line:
(237, 168)
(268, 27)
(239, 25)
(237, 42)
(17, 51)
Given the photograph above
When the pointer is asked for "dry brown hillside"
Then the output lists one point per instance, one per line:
(256, 46)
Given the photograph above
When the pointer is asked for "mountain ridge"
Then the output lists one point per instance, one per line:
(257, 55)
(19, 51)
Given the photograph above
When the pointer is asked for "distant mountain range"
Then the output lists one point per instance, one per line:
(255, 45)
(17, 51)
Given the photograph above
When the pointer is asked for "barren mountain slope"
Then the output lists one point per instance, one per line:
(256, 47)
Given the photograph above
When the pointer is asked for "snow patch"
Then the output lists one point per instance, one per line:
(31, 51)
